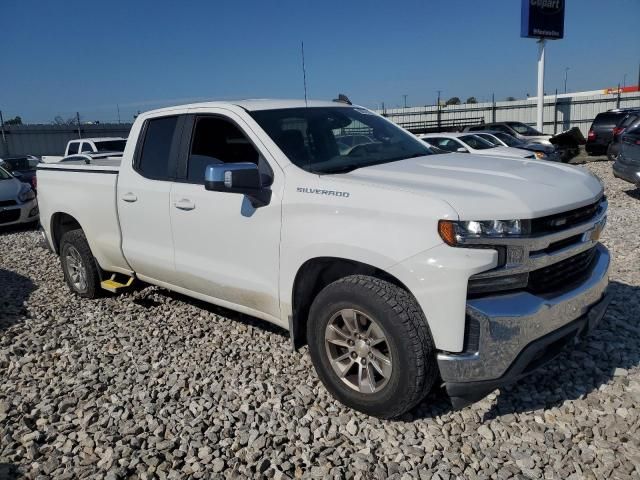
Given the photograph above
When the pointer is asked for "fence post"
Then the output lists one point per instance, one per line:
(618, 99)
(493, 108)
(555, 114)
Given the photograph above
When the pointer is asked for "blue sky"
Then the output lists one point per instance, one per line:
(59, 57)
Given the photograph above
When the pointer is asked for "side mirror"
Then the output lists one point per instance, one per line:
(462, 150)
(243, 178)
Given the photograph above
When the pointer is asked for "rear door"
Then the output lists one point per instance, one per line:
(224, 247)
(144, 199)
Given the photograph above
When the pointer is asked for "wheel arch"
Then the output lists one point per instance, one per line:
(62, 223)
(315, 274)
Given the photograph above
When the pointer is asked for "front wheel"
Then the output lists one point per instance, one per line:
(371, 346)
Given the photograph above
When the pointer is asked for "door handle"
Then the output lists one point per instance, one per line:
(129, 197)
(184, 204)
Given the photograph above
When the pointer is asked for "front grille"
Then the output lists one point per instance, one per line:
(564, 220)
(8, 203)
(562, 274)
(9, 215)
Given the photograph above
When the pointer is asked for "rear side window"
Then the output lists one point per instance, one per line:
(86, 147)
(155, 156)
(73, 148)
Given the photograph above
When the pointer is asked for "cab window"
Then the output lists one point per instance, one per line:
(216, 140)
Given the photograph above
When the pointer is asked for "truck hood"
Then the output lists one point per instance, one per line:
(506, 152)
(482, 187)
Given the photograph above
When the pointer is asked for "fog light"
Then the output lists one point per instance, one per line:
(34, 211)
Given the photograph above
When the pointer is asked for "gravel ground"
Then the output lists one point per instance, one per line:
(151, 384)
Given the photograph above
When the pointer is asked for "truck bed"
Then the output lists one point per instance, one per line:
(87, 193)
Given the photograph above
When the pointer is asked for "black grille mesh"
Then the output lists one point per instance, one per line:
(562, 274)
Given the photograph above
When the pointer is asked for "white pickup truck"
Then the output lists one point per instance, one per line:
(111, 145)
(401, 269)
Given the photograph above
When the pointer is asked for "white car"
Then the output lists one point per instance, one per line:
(470, 143)
(18, 202)
(401, 269)
(112, 145)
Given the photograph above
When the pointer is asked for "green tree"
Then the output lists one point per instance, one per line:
(471, 100)
(453, 101)
(510, 99)
(14, 121)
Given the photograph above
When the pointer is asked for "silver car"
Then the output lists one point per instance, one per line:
(18, 202)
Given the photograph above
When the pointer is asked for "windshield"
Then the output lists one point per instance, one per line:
(110, 146)
(489, 138)
(476, 142)
(337, 139)
(508, 139)
(523, 129)
(4, 175)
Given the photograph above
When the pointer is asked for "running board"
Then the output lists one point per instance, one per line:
(112, 285)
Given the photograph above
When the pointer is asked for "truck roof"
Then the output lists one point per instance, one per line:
(256, 104)
(97, 139)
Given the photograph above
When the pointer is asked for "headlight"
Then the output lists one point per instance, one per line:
(454, 233)
(26, 193)
(540, 155)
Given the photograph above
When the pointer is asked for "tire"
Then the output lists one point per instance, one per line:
(408, 345)
(612, 155)
(78, 265)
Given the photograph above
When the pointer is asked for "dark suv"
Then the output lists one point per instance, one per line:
(629, 122)
(627, 164)
(601, 131)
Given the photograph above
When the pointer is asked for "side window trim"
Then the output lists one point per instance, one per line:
(173, 150)
(187, 136)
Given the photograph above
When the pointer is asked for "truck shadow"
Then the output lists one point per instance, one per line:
(15, 289)
(634, 193)
(9, 471)
(232, 315)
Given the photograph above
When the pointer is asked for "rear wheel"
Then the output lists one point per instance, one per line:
(78, 265)
(371, 346)
(612, 152)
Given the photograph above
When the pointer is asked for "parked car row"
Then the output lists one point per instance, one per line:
(565, 145)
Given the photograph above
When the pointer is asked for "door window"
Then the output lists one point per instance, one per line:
(86, 148)
(216, 140)
(73, 148)
(155, 157)
(447, 144)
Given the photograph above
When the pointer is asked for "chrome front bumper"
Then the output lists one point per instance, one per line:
(511, 323)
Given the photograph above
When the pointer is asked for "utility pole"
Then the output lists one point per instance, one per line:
(118, 107)
(565, 79)
(4, 139)
(618, 99)
(78, 121)
(405, 100)
(624, 80)
(540, 112)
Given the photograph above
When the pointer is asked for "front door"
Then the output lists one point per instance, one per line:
(224, 247)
